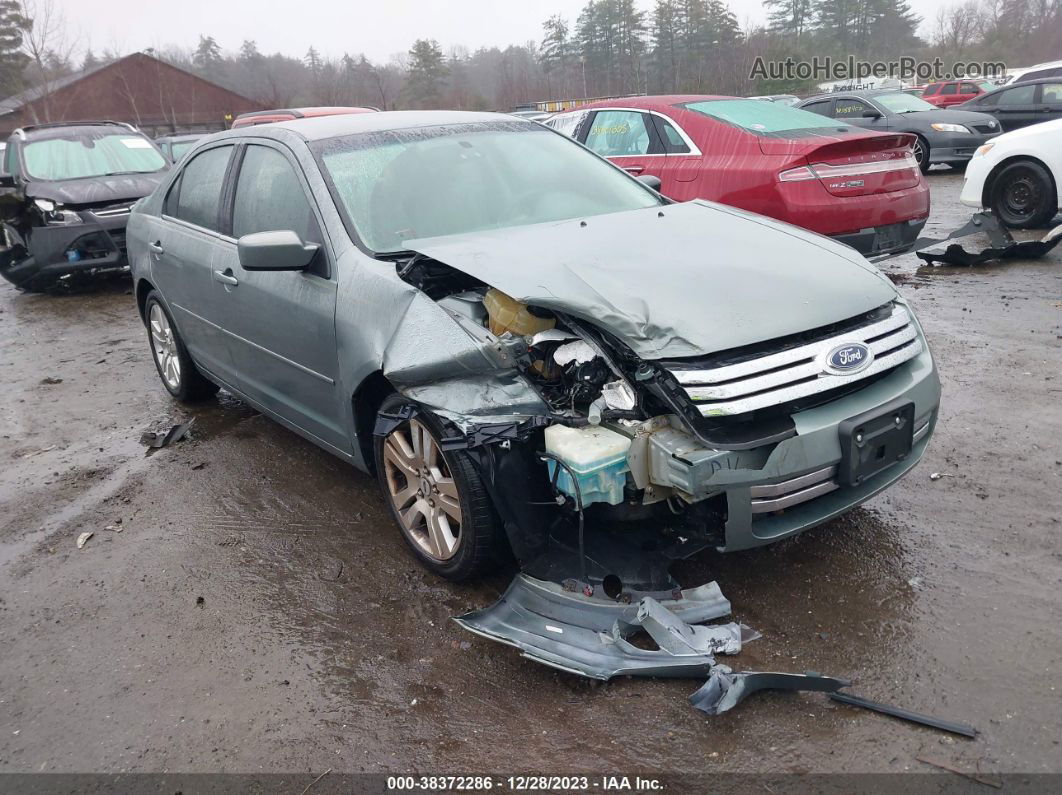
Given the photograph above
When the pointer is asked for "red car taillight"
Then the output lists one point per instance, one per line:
(828, 171)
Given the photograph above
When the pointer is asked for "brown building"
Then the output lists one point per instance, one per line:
(139, 89)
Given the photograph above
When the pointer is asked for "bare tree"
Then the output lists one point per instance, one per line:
(48, 46)
(958, 26)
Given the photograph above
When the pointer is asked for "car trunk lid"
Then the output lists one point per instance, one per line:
(860, 166)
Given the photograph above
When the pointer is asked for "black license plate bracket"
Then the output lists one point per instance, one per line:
(875, 440)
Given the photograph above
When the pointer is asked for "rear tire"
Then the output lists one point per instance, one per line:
(431, 493)
(178, 373)
(1022, 195)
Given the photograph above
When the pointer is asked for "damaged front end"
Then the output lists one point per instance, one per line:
(49, 242)
(606, 466)
(614, 441)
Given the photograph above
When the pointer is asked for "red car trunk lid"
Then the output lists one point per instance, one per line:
(860, 166)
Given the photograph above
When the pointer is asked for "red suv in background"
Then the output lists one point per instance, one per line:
(287, 114)
(954, 92)
(862, 188)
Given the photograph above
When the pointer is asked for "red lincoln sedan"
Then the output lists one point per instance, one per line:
(860, 187)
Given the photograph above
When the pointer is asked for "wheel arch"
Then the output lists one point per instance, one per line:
(143, 287)
(986, 189)
(365, 402)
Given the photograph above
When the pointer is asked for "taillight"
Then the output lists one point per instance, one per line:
(797, 174)
(829, 171)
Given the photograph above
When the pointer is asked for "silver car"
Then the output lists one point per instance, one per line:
(531, 350)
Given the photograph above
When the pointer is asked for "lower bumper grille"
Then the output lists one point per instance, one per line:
(787, 493)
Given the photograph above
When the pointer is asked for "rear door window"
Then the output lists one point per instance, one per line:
(1052, 93)
(619, 133)
(1019, 95)
(198, 191)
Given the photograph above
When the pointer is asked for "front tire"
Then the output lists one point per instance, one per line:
(436, 497)
(175, 367)
(921, 153)
(1022, 195)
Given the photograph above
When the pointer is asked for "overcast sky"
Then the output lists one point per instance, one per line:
(379, 29)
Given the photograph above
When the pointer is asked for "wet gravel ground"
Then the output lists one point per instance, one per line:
(245, 604)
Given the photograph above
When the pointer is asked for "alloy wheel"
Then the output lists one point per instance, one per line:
(164, 347)
(422, 490)
(919, 152)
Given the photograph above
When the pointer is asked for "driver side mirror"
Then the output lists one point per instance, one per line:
(871, 114)
(282, 250)
(651, 181)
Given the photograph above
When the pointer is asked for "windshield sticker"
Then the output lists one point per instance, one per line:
(136, 143)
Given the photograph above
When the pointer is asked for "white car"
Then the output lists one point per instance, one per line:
(1017, 176)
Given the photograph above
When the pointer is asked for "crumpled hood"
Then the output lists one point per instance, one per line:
(96, 190)
(679, 280)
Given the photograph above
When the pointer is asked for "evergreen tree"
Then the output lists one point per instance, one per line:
(12, 60)
(207, 56)
(427, 73)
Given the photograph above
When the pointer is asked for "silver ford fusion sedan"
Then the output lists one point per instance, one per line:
(532, 350)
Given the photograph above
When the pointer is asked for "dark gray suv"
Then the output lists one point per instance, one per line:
(524, 342)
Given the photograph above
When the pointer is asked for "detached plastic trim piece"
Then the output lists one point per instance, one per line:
(954, 727)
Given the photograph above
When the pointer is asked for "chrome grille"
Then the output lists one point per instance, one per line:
(799, 372)
(787, 493)
(114, 211)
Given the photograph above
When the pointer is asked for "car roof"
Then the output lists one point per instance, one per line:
(658, 102)
(321, 127)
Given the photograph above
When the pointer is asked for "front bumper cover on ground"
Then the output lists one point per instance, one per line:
(591, 637)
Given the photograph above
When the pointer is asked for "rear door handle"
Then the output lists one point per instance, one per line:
(156, 247)
(226, 277)
(634, 169)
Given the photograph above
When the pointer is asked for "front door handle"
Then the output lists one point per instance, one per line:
(156, 247)
(226, 277)
(634, 169)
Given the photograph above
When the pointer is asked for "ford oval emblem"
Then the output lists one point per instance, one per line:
(848, 358)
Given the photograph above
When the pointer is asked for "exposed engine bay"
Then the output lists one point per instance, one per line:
(604, 446)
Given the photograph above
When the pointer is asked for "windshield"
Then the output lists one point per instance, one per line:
(91, 154)
(770, 119)
(902, 103)
(398, 185)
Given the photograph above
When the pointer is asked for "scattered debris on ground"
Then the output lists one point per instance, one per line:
(977, 777)
(965, 729)
(1003, 246)
(155, 440)
(83, 539)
